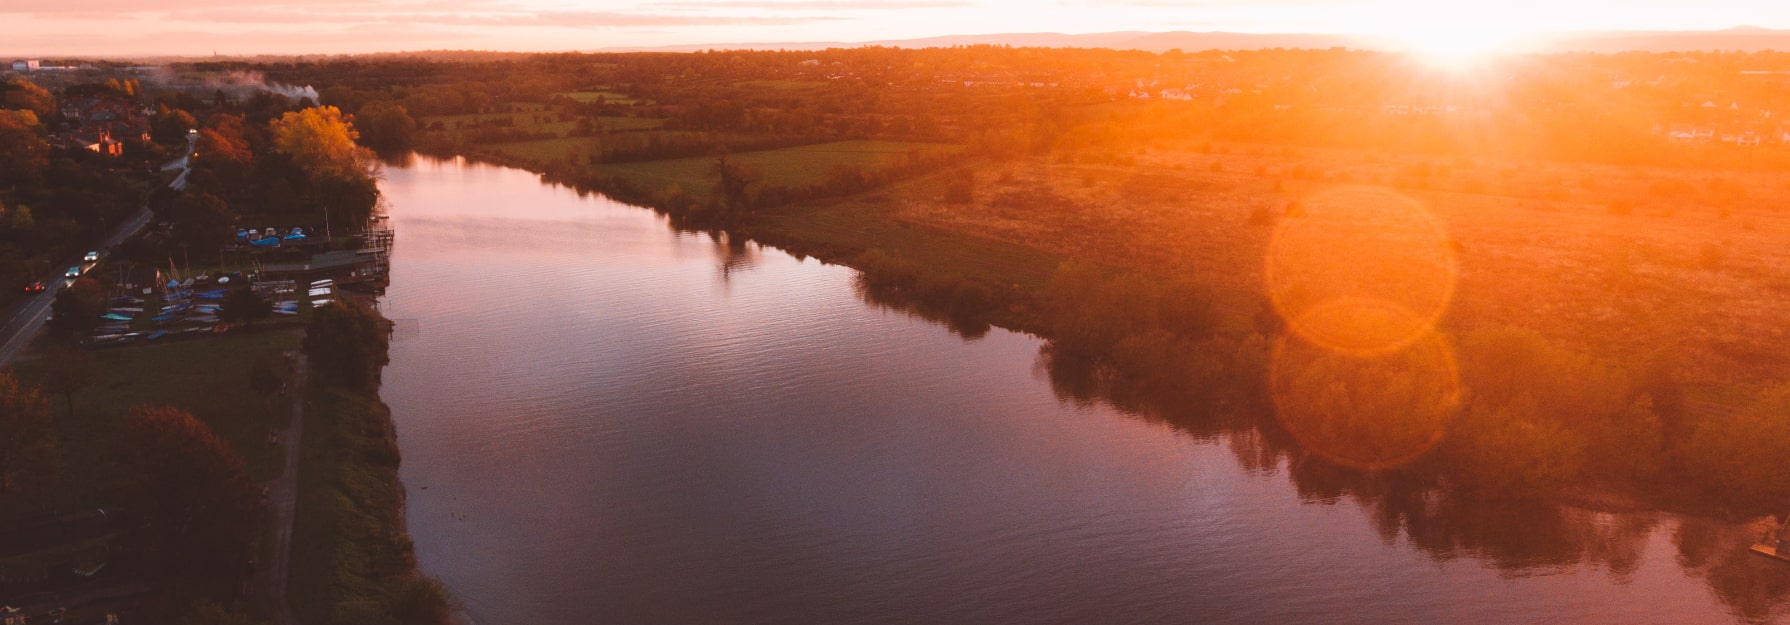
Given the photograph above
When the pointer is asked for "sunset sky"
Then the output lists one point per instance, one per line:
(194, 27)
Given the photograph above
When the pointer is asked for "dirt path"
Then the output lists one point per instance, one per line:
(283, 499)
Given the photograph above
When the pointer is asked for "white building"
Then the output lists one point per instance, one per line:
(28, 65)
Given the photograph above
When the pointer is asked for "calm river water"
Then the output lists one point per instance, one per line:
(605, 421)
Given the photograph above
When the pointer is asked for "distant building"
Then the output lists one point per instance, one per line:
(27, 65)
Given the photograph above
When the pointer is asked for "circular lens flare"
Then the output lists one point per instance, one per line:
(1363, 270)
(1369, 412)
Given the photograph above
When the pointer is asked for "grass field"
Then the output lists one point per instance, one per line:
(611, 97)
(536, 122)
(1621, 264)
(208, 377)
(801, 165)
(782, 85)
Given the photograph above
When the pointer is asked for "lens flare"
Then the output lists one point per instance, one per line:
(1370, 412)
(1362, 270)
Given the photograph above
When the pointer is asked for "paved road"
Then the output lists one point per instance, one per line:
(283, 500)
(17, 330)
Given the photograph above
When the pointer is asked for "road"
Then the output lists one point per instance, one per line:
(24, 323)
(282, 494)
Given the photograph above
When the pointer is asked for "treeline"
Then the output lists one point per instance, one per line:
(1522, 417)
(637, 147)
(738, 194)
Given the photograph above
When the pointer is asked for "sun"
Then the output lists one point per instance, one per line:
(1451, 48)
(1453, 40)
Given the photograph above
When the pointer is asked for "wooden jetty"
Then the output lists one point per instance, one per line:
(1771, 551)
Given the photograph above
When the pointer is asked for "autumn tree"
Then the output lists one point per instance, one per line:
(68, 370)
(24, 95)
(338, 175)
(346, 344)
(224, 155)
(23, 152)
(27, 443)
(189, 489)
(319, 140)
(75, 311)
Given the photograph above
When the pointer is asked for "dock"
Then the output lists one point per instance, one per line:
(1770, 551)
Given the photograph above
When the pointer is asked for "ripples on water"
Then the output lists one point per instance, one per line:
(604, 421)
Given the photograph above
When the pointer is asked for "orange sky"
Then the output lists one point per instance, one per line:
(197, 27)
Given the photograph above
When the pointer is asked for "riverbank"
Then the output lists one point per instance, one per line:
(353, 561)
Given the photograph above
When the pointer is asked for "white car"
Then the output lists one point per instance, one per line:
(90, 257)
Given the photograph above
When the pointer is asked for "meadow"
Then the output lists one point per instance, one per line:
(208, 377)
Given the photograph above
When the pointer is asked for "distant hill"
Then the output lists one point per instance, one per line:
(1743, 39)
(1746, 39)
(1129, 40)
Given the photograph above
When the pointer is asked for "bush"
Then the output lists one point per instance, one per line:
(347, 345)
(1741, 454)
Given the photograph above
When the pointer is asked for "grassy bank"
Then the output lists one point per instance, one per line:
(208, 377)
(352, 559)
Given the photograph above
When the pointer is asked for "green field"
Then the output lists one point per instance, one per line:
(532, 121)
(208, 377)
(796, 166)
(611, 97)
(782, 85)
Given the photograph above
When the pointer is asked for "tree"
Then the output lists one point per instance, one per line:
(202, 223)
(1739, 453)
(422, 600)
(319, 141)
(23, 152)
(169, 126)
(346, 345)
(28, 450)
(75, 311)
(189, 489)
(733, 182)
(347, 200)
(244, 305)
(25, 95)
(386, 127)
(66, 371)
(337, 174)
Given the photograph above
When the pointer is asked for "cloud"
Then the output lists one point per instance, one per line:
(815, 5)
(471, 13)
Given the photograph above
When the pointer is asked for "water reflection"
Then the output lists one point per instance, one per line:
(1518, 536)
(968, 326)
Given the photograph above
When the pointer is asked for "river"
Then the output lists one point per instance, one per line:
(607, 421)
